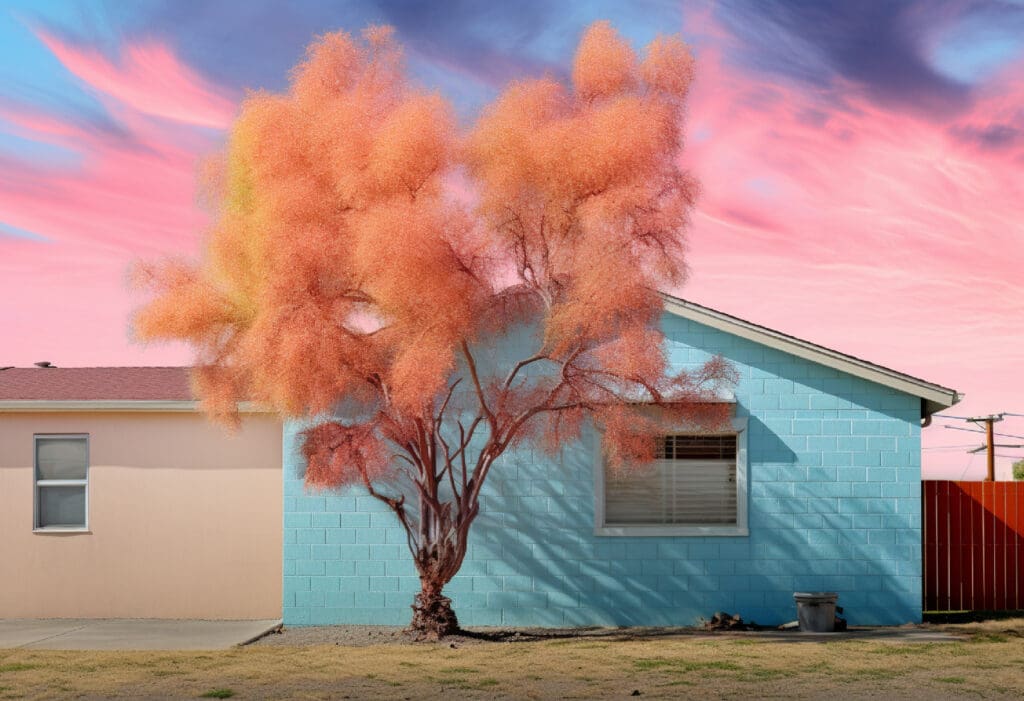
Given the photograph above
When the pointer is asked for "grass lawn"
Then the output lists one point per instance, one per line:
(988, 663)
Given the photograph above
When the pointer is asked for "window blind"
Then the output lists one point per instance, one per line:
(693, 481)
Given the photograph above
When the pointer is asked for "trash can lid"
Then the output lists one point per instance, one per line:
(819, 597)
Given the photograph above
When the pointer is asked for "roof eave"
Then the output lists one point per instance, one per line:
(113, 405)
(934, 397)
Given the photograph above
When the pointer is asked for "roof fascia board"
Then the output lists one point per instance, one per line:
(939, 397)
(142, 405)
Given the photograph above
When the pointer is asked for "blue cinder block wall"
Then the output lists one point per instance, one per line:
(834, 505)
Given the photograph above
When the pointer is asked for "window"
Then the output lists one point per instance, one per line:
(696, 486)
(62, 482)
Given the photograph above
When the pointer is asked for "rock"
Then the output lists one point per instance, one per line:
(727, 621)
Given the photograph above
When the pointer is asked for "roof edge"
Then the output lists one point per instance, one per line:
(934, 397)
(122, 405)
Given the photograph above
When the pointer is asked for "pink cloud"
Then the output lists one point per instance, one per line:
(149, 79)
(130, 195)
(33, 123)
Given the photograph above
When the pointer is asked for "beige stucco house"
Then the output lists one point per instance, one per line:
(118, 498)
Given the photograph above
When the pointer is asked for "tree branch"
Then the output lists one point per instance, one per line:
(520, 365)
(447, 398)
(462, 453)
(398, 506)
(479, 390)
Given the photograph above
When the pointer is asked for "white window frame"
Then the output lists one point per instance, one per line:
(37, 483)
(740, 528)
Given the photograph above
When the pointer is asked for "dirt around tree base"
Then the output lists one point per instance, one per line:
(433, 617)
(358, 636)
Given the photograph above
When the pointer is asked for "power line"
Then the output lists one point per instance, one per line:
(994, 445)
(978, 430)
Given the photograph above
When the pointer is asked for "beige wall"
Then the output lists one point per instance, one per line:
(184, 520)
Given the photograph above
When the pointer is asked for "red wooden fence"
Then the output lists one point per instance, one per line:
(973, 545)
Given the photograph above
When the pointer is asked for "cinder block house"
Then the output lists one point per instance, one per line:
(816, 486)
(119, 499)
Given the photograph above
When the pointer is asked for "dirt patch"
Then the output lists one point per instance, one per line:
(361, 636)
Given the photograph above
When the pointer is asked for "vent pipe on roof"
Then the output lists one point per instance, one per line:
(45, 364)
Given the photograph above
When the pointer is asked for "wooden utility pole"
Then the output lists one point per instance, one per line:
(990, 476)
(990, 444)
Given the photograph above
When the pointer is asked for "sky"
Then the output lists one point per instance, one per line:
(861, 163)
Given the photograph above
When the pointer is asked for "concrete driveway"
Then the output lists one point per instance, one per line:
(129, 634)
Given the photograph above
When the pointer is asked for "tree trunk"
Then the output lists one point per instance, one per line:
(432, 614)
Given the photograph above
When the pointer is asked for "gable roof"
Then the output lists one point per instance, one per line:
(934, 397)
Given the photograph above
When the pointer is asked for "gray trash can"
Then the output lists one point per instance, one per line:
(816, 611)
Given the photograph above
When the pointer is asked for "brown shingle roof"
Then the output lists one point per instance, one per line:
(95, 384)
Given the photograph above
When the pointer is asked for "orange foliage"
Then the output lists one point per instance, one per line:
(668, 66)
(604, 65)
(341, 266)
(338, 454)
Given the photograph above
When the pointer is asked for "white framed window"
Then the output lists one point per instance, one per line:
(696, 487)
(61, 482)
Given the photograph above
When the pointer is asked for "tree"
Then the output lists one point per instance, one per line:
(1018, 470)
(363, 251)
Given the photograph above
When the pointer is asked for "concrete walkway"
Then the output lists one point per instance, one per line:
(129, 634)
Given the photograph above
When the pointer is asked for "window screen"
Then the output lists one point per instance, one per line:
(62, 474)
